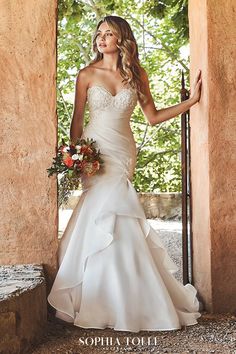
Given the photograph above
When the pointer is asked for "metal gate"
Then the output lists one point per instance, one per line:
(187, 250)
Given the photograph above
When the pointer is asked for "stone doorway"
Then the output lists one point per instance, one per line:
(29, 136)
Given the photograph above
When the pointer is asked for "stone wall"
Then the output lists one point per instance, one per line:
(23, 308)
(165, 206)
(213, 148)
(28, 132)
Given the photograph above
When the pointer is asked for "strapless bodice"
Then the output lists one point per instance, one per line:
(109, 126)
(102, 104)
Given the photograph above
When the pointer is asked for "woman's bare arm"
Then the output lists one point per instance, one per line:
(77, 123)
(156, 116)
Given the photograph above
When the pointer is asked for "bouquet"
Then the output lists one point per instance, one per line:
(74, 161)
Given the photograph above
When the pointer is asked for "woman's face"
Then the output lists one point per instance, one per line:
(106, 40)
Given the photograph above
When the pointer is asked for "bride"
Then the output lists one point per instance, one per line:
(114, 272)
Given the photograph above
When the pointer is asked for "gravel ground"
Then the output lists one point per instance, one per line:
(170, 233)
(214, 333)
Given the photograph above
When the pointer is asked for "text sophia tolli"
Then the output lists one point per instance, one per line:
(108, 341)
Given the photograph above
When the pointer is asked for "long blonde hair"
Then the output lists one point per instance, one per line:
(128, 62)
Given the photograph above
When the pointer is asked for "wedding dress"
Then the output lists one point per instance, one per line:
(113, 268)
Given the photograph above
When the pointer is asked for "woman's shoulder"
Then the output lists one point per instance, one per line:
(87, 74)
(84, 72)
(87, 70)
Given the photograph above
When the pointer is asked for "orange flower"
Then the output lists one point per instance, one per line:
(68, 160)
(89, 151)
(86, 150)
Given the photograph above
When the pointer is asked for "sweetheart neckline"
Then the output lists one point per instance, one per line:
(106, 90)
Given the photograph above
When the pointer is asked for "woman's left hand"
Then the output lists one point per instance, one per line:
(195, 93)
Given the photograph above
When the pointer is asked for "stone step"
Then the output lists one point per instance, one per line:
(23, 307)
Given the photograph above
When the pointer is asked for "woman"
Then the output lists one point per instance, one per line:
(113, 269)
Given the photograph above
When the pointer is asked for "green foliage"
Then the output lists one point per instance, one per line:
(176, 9)
(161, 30)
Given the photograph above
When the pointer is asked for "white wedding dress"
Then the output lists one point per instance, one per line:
(113, 269)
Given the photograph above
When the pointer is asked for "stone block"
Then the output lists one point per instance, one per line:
(23, 307)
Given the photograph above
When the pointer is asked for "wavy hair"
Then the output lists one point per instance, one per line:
(128, 62)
